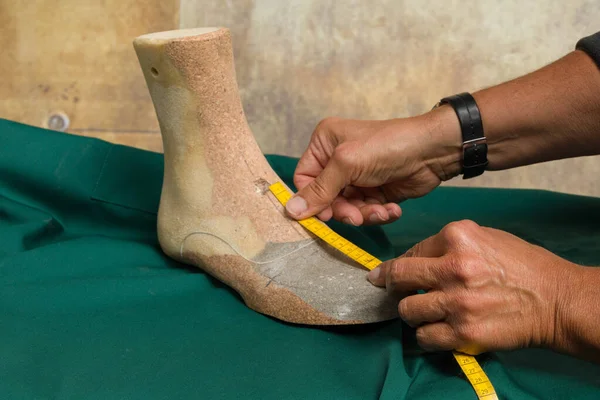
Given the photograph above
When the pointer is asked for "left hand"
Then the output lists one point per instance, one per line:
(486, 290)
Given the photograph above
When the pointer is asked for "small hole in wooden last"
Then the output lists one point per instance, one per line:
(154, 71)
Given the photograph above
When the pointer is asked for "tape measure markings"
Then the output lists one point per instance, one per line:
(476, 376)
(468, 364)
(328, 235)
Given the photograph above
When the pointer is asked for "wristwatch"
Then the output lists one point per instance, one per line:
(474, 157)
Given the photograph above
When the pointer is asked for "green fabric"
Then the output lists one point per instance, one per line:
(90, 307)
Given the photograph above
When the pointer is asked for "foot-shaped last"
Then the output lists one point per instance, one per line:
(215, 210)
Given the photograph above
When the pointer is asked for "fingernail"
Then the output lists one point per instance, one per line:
(348, 220)
(375, 217)
(373, 275)
(296, 206)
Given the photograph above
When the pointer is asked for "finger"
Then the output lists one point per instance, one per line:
(433, 246)
(375, 194)
(347, 211)
(320, 192)
(326, 214)
(370, 214)
(411, 273)
(374, 214)
(438, 336)
(421, 308)
(371, 200)
(358, 203)
(394, 211)
(404, 274)
(357, 212)
(351, 192)
(308, 168)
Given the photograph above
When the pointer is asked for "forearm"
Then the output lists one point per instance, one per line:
(577, 326)
(549, 114)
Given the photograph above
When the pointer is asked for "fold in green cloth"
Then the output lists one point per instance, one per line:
(91, 308)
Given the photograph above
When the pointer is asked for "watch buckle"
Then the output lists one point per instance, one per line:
(474, 142)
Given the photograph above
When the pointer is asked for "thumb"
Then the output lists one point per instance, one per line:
(319, 193)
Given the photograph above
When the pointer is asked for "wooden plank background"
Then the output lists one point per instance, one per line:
(73, 60)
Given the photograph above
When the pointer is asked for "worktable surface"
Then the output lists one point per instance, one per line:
(91, 308)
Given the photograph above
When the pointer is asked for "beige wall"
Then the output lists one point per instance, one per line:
(299, 61)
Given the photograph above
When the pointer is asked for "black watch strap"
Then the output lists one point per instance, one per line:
(474, 160)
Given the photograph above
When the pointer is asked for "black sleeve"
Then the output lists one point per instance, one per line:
(591, 45)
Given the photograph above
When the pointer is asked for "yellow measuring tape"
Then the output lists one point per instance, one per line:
(324, 232)
(469, 365)
(474, 373)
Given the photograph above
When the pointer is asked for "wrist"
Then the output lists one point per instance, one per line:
(576, 313)
(443, 150)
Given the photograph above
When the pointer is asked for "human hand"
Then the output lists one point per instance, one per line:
(356, 171)
(486, 290)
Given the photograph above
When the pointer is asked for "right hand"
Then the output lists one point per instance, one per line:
(356, 171)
